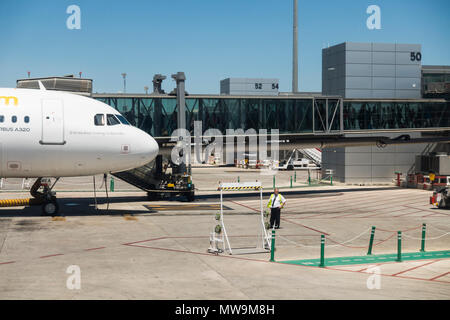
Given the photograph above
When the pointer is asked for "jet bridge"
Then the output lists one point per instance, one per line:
(167, 179)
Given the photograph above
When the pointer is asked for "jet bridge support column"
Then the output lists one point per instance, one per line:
(180, 78)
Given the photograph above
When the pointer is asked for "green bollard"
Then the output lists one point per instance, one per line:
(272, 247)
(399, 246)
(372, 235)
(295, 176)
(274, 181)
(239, 180)
(424, 228)
(111, 184)
(322, 251)
(309, 177)
(291, 181)
(331, 179)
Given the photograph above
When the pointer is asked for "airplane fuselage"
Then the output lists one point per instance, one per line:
(47, 133)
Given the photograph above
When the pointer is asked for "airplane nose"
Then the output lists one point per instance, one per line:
(154, 147)
(147, 147)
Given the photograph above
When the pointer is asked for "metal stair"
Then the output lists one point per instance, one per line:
(312, 154)
(428, 148)
(143, 177)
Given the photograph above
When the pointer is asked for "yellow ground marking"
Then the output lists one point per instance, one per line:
(129, 217)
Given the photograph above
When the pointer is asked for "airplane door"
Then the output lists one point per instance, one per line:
(52, 122)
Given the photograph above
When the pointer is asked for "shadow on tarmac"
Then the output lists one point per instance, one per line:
(85, 206)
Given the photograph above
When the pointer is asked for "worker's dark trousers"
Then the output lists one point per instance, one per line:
(274, 217)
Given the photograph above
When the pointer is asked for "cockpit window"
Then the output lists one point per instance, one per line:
(99, 119)
(122, 119)
(112, 120)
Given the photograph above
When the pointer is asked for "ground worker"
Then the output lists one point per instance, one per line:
(276, 202)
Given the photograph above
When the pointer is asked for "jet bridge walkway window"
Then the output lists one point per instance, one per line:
(374, 115)
(299, 115)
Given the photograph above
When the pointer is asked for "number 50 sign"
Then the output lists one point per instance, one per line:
(416, 56)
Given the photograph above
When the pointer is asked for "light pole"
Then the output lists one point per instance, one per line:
(146, 89)
(295, 50)
(124, 75)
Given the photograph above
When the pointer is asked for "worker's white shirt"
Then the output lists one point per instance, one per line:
(279, 200)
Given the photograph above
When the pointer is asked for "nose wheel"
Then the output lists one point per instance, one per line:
(46, 197)
(50, 208)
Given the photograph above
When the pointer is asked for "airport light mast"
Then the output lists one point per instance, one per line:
(295, 50)
(124, 75)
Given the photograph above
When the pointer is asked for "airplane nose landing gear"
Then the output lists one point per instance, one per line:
(46, 197)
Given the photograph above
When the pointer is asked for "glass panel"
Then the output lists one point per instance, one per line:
(122, 119)
(158, 116)
(320, 115)
(145, 116)
(99, 119)
(112, 120)
(334, 120)
(126, 107)
(395, 115)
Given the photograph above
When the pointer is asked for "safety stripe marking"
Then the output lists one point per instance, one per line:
(91, 249)
(52, 255)
(414, 268)
(444, 274)
(239, 188)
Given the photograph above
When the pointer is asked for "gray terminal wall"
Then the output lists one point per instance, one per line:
(249, 86)
(372, 70)
(371, 165)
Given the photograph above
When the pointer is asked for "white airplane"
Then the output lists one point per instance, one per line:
(55, 134)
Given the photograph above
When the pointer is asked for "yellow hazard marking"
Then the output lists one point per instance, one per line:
(14, 202)
(59, 219)
(240, 188)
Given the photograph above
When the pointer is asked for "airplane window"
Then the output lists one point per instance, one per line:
(2, 118)
(26, 119)
(112, 120)
(14, 119)
(122, 119)
(99, 119)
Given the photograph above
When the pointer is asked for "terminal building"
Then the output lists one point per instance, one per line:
(388, 79)
(368, 89)
(372, 70)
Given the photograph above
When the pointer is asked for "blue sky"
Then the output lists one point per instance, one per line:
(207, 39)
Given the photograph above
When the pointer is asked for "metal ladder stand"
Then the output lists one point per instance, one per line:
(219, 241)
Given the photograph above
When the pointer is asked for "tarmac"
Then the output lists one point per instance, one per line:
(131, 248)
